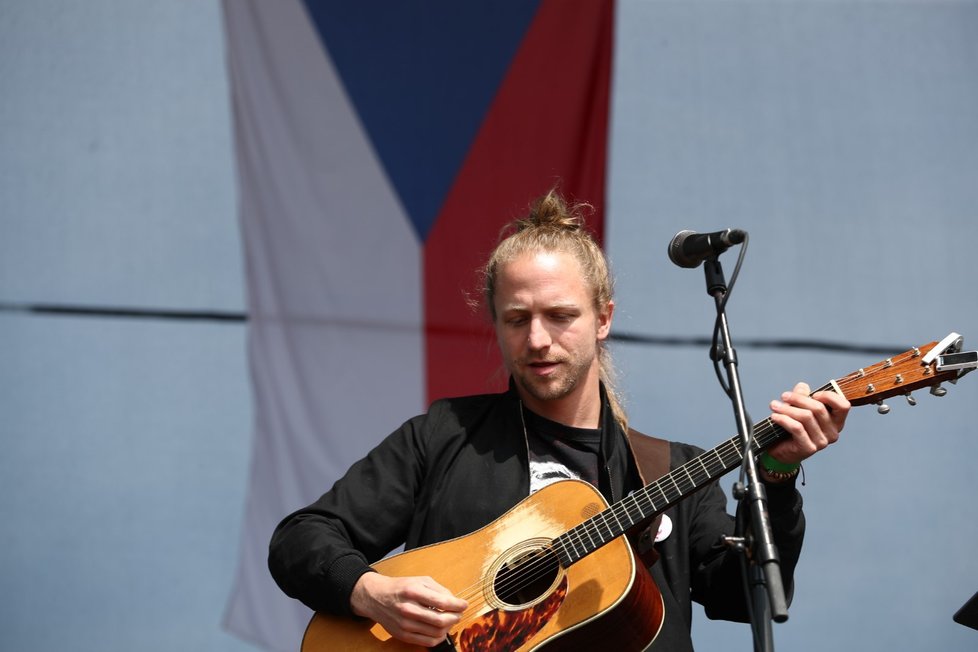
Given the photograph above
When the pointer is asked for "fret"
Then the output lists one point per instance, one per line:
(673, 480)
(634, 514)
(564, 557)
(581, 531)
(578, 554)
(717, 453)
(608, 533)
(633, 499)
(615, 514)
(705, 470)
(657, 486)
(651, 509)
(587, 531)
(620, 510)
(621, 516)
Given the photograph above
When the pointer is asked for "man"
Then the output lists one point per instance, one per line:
(468, 460)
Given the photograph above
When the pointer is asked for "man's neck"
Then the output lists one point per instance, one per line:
(580, 409)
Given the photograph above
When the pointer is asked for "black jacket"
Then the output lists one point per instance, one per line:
(465, 463)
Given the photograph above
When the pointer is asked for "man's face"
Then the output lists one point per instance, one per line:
(547, 327)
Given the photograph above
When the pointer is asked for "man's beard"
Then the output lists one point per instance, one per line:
(569, 374)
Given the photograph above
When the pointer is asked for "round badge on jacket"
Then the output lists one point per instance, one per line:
(665, 528)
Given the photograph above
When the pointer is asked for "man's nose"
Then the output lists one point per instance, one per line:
(539, 337)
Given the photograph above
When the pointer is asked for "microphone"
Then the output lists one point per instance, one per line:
(689, 248)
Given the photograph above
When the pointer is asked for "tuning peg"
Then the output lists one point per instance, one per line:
(937, 390)
(910, 399)
(883, 408)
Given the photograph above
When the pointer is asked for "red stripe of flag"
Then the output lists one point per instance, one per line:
(547, 125)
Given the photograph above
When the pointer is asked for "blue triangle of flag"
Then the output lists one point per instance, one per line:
(421, 76)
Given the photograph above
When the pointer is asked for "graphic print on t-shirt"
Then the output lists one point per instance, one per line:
(559, 452)
(547, 472)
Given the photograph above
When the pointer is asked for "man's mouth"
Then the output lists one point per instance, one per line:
(543, 367)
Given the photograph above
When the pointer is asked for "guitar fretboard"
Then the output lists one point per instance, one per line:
(658, 496)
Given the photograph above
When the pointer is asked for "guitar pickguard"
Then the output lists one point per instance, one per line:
(501, 630)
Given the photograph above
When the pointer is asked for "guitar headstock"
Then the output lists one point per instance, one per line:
(925, 366)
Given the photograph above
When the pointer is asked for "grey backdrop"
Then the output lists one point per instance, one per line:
(841, 135)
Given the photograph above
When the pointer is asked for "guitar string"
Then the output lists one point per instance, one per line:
(699, 470)
(532, 572)
(580, 537)
(727, 454)
(548, 557)
(547, 561)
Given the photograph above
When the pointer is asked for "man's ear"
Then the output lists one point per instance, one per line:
(604, 320)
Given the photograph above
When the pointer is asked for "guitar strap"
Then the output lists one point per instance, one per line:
(652, 458)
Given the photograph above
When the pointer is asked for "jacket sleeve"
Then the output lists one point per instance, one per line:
(717, 579)
(318, 553)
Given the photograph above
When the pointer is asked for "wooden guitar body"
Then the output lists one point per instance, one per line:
(605, 599)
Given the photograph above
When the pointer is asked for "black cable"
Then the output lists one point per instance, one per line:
(119, 312)
(123, 312)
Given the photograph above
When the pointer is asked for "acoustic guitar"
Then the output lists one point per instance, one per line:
(556, 572)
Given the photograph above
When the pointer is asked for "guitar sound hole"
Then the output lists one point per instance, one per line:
(526, 578)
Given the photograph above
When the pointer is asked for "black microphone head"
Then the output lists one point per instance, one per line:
(676, 253)
(689, 248)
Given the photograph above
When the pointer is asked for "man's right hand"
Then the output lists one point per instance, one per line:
(415, 610)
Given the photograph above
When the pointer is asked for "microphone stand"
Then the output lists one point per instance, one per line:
(767, 597)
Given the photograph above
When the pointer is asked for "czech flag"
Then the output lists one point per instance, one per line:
(381, 147)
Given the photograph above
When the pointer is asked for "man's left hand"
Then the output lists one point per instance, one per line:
(813, 422)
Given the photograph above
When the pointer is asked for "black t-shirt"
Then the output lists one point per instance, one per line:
(559, 452)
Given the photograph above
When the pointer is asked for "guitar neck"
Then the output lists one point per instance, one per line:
(658, 496)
